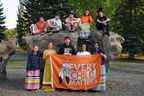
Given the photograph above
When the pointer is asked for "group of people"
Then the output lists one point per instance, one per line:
(34, 79)
(72, 23)
(36, 58)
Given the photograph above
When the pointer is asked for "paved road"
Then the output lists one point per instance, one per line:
(124, 79)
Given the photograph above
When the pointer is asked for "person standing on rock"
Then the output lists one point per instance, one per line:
(66, 48)
(34, 60)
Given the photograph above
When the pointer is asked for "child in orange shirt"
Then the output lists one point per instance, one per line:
(39, 27)
(86, 20)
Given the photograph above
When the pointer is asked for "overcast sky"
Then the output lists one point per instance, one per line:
(10, 11)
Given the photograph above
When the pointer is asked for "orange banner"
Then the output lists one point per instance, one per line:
(75, 72)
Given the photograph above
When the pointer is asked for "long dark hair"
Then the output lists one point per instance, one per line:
(88, 11)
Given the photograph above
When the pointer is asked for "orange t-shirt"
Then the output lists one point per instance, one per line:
(86, 19)
(41, 26)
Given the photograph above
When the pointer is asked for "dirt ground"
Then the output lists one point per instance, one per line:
(124, 79)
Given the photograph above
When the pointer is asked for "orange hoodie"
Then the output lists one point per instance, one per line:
(86, 19)
(41, 26)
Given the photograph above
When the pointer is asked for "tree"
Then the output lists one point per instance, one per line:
(23, 24)
(109, 7)
(129, 22)
(2, 22)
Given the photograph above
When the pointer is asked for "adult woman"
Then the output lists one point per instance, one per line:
(32, 80)
(86, 21)
(47, 69)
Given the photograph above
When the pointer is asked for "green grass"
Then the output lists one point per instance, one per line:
(17, 61)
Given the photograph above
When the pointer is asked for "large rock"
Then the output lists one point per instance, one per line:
(7, 48)
(111, 45)
(42, 40)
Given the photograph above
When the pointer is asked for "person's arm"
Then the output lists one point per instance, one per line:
(99, 21)
(102, 54)
(29, 58)
(60, 49)
(60, 24)
(91, 19)
(107, 20)
(66, 20)
(44, 55)
(34, 29)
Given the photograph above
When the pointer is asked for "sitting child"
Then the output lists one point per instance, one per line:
(55, 24)
(71, 23)
(39, 26)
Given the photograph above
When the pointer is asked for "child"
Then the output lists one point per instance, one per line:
(102, 85)
(32, 80)
(83, 51)
(86, 21)
(71, 23)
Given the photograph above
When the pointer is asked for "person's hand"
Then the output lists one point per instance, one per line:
(68, 54)
(102, 54)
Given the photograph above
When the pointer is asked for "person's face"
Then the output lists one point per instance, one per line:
(35, 48)
(101, 14)
(96, 45)
(57, 17)
(84, 47)
(87, 12)
(50, 45)
(41, 19)
(67, 41)
(71, 16)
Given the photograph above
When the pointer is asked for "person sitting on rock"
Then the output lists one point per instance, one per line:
(71, 23)
(39, 26)
(102, 23)
(85, 22)
(55, 24)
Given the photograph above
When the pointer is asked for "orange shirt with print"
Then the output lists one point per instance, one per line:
(86, 19)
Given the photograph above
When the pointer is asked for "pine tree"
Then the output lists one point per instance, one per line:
(129, 22)
(31, 9)
(23, 24)
(2, 22)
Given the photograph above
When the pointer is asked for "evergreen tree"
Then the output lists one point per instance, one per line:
(2, 22)
(23, 24)
(31, 9)
(129, 22)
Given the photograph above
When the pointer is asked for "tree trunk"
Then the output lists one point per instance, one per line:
(3, 63)
(3, 72)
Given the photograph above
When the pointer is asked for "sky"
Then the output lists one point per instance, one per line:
(10, 11)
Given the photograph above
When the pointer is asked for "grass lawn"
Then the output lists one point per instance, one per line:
(17, 61)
